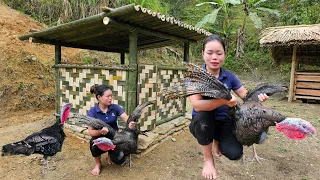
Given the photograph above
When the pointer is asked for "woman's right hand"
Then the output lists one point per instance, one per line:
(232, 102)
(104, 131)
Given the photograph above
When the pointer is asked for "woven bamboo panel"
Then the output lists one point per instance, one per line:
(75, 86)
(147, 90)
(168, 108)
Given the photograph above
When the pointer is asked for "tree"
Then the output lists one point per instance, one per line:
(227, 26)
(250, 8)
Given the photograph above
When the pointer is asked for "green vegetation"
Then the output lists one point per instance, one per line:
(228, 18)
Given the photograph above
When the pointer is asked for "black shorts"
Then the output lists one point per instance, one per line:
(205, 128)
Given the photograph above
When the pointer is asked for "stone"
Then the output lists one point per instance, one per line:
(76, 128)
(86, 132)
(179, 121)
(188, 116)
(164, 128)
(145, 141)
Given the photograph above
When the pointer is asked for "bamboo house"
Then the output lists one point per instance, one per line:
(124, 30)
(299, 45)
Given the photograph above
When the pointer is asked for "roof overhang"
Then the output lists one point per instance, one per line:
(110, 31)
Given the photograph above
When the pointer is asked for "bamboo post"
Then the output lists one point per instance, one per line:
(185, 59)
(186, 52)
(122, 57)
(132, 80)
(57, 78)
(293, 70)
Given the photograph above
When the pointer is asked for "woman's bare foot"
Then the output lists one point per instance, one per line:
(216, 148)
(96, 170)
(209, 171)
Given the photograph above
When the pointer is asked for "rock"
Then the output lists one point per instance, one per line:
(188, 116)
(76, 128)
(166, 139)
(164, 128)
(173, 139)
(179, 121)
(145, 141)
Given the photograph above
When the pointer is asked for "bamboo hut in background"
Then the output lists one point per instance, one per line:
(299, 45)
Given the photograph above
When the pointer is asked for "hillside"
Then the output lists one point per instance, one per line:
(26, 74)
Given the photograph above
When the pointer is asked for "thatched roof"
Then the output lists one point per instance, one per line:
(291, 35)
(110, 31)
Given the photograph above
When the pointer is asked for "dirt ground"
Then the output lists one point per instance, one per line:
(285, 158)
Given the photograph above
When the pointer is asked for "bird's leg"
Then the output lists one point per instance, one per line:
(130, 161)
(255, 155)
(243, 158)
(44, 162)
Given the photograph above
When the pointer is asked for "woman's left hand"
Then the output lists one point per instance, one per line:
(132, 124)
(263, 97)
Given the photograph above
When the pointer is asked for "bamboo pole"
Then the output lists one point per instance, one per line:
(108, 20)
(57, 79)
(122, 58)
(292, 76)
(65, 27)
(186, 52)
(121, 11)
(97, 48)
(133, 75)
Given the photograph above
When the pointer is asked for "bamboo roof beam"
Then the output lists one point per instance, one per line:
(97, 48)
(107, 20)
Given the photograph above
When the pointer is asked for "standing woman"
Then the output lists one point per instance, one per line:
(211, 125)
(107, 112)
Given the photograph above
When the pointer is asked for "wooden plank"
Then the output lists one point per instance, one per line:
(309, 92)
(308, 78)
(308, 85)
(307, 97)
(308, 73)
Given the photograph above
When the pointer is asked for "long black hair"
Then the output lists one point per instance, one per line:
(99, 90)
(213, 37)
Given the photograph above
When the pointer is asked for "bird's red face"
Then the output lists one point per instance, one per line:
(296, 128)
(65, 112)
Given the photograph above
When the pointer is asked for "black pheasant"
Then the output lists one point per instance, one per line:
(123, 143)
(47, 142)
(251, 119)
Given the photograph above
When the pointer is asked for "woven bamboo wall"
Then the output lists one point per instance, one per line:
(75, 83)
(168, 109)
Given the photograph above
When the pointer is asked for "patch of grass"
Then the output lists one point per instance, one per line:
(281, 149)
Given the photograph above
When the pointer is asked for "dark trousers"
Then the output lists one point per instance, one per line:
(205, 128)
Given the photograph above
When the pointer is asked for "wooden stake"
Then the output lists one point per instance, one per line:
(293, 70)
